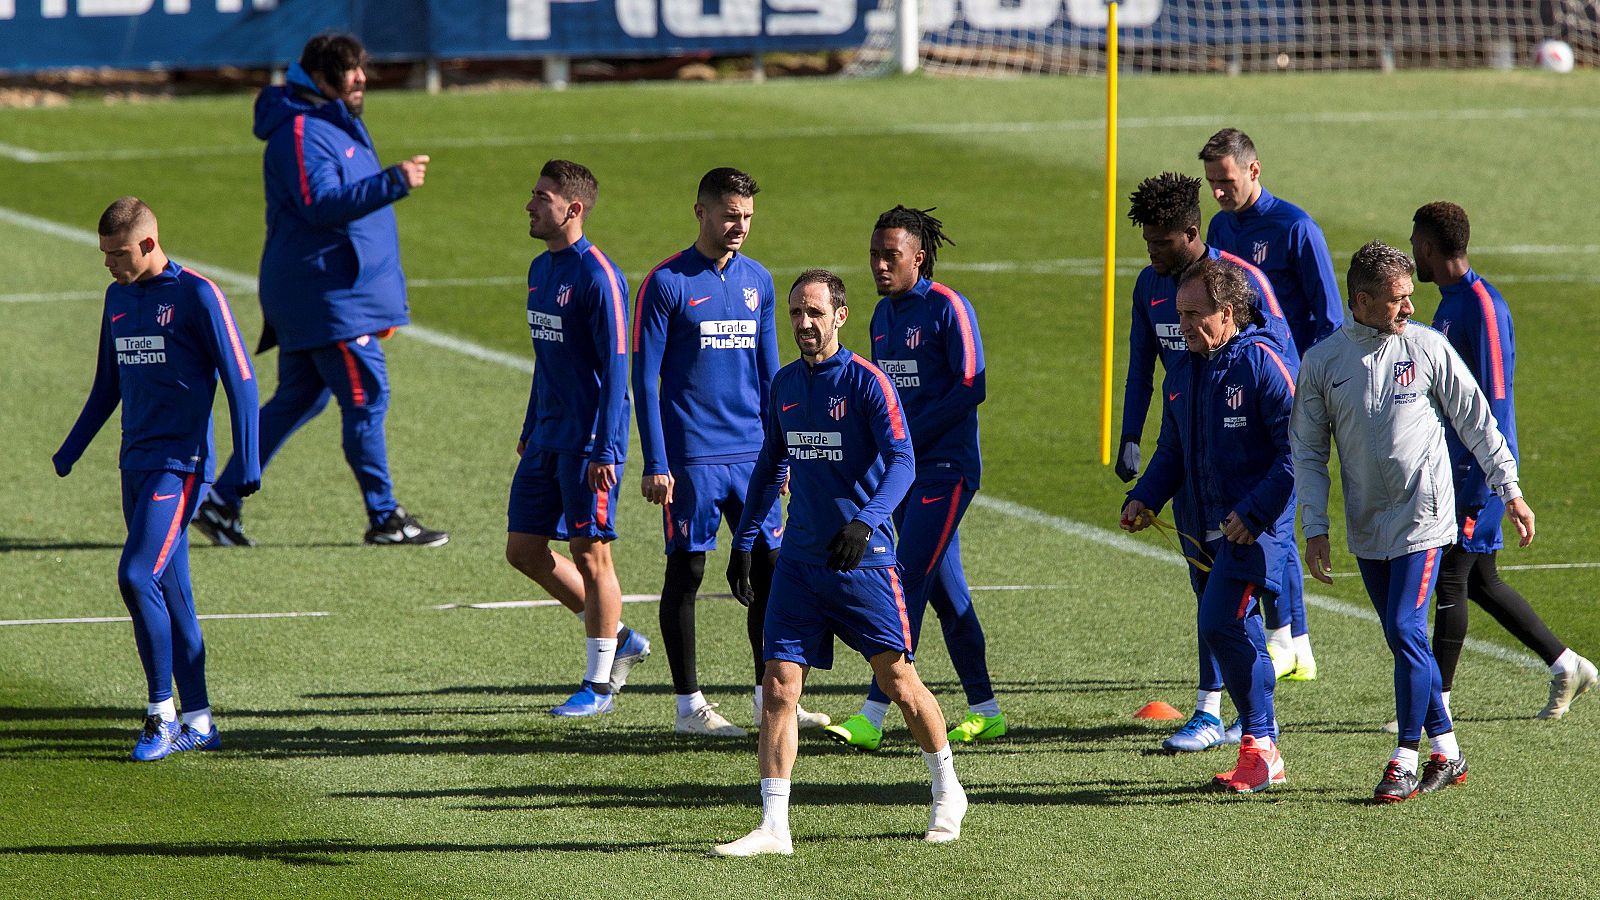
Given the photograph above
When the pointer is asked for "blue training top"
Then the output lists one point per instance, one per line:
(1477, 321)
(1286, 243)
(705, 348)
(330, 269)
(163, 343)
(926, 340)
(840, 427)
(578, 319)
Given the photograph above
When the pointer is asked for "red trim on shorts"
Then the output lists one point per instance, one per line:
(178, 520)
(1427, 573)
(602, 503)
(357, 395)
(900, 605)
(949, 528)
(666, 519)
(1467, 529)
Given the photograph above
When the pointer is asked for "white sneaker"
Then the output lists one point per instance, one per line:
(706, 720)
(1566, 687)
(944, 820)
(755, 843)
(809, 720)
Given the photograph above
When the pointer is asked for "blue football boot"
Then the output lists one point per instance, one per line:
(585, 703)
(1202, 732)
(156, 740)
(189, 739)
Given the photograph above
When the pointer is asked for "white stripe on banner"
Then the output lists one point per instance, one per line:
(1101, 536)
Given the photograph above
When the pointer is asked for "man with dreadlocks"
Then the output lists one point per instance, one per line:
(925, 337)
(1167, 209)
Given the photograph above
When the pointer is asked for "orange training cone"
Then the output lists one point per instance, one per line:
(1158, 709)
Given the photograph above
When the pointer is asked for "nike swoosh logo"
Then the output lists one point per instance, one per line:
(879, 337)
(117, 316)
(927, 500)
(1159, 302)
(789, 406)
(583, 524)
(698, 302)
(1172, 397)
(1339, 384)
(532, 289)
(160, 497)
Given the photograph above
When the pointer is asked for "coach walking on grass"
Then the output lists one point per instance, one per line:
(1382, 389)
(331, 283)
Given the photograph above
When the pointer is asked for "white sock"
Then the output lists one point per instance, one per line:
(1564, 663)
(1280, 638)
(941, 765)
(875, 711)
(1446, 744)
(1445, 696)
(1302, 647)
(1209, 701)
(198, 721)
(601, 651)
(1407, 759)
(989, 707)
(758, 703)
(688, 703)
(775, 806)
(166, 709)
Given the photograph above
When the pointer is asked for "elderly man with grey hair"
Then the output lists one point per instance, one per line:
(1381, 389)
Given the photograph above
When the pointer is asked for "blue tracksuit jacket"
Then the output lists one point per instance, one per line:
(1477, 321)
(926, 340)
(330, 270)
(840, 427)
(164, 342)
(1286, 243)
(1224, 447)
(1154, 333)
(705, 348)
(578, 319)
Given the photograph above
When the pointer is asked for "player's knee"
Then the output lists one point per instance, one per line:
(686, 569)
(531, 559)
(592, 557)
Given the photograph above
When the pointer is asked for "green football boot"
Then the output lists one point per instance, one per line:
(857, 731)
(978, 727)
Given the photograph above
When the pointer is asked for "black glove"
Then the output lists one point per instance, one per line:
(849, 545)
(1128, 459)
(739, 577)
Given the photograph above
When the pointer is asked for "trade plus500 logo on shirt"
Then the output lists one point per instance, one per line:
(827, 445)
(728, 334)
(138, 351)
(545, 327)
(903, 371)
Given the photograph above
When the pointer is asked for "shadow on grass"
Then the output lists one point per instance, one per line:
(26, 545)
(327, 852)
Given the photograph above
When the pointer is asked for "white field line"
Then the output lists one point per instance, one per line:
(87, 620)
(652, 598)
(1101, 536)
(1091, 124)
(1532, 568)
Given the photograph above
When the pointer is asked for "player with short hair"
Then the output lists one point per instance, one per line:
(331, 283)
(1224, 448)
(705, 348)
(1166, 208)
(1288, 246)
(1382, 390)
(925, 338)
(574, 438)
(1477, 321)
(167, 336)
(836, 420)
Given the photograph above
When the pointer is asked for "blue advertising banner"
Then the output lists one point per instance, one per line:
(174, 34)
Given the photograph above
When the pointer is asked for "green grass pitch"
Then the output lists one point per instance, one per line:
(390, 748)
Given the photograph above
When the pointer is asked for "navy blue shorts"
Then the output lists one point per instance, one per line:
(550, 496)
(810, 605)
(702, 495)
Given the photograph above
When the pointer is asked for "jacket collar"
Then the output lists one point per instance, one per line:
(1265, 201)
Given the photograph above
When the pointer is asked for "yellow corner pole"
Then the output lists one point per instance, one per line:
(1111, 232)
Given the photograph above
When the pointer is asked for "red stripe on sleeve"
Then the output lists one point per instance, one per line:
(1497, 366)
(1260, 278)
(300, 157)
(1283, 369)
(621, 324)
(227, 322)
(897, 421)
(638, 301)
(969, 347)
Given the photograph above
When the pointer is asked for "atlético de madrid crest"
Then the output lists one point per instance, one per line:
(564, 295)
(1258, 251)
(913, 337)
(1405, 372)
(164, 315)
(752, 299)
(1233, 396)
(836, 407)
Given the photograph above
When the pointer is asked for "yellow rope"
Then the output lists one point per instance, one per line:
(1177, 537)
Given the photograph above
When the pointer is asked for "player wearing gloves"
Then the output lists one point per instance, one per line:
(167, 336)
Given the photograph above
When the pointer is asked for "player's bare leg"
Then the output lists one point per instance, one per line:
(531, 555)
(780, 741)
(602, 595)
(899, 680)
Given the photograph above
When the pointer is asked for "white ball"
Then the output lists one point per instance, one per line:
(1555, 56)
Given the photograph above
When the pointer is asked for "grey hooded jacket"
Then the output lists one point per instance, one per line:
(1383, 400)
